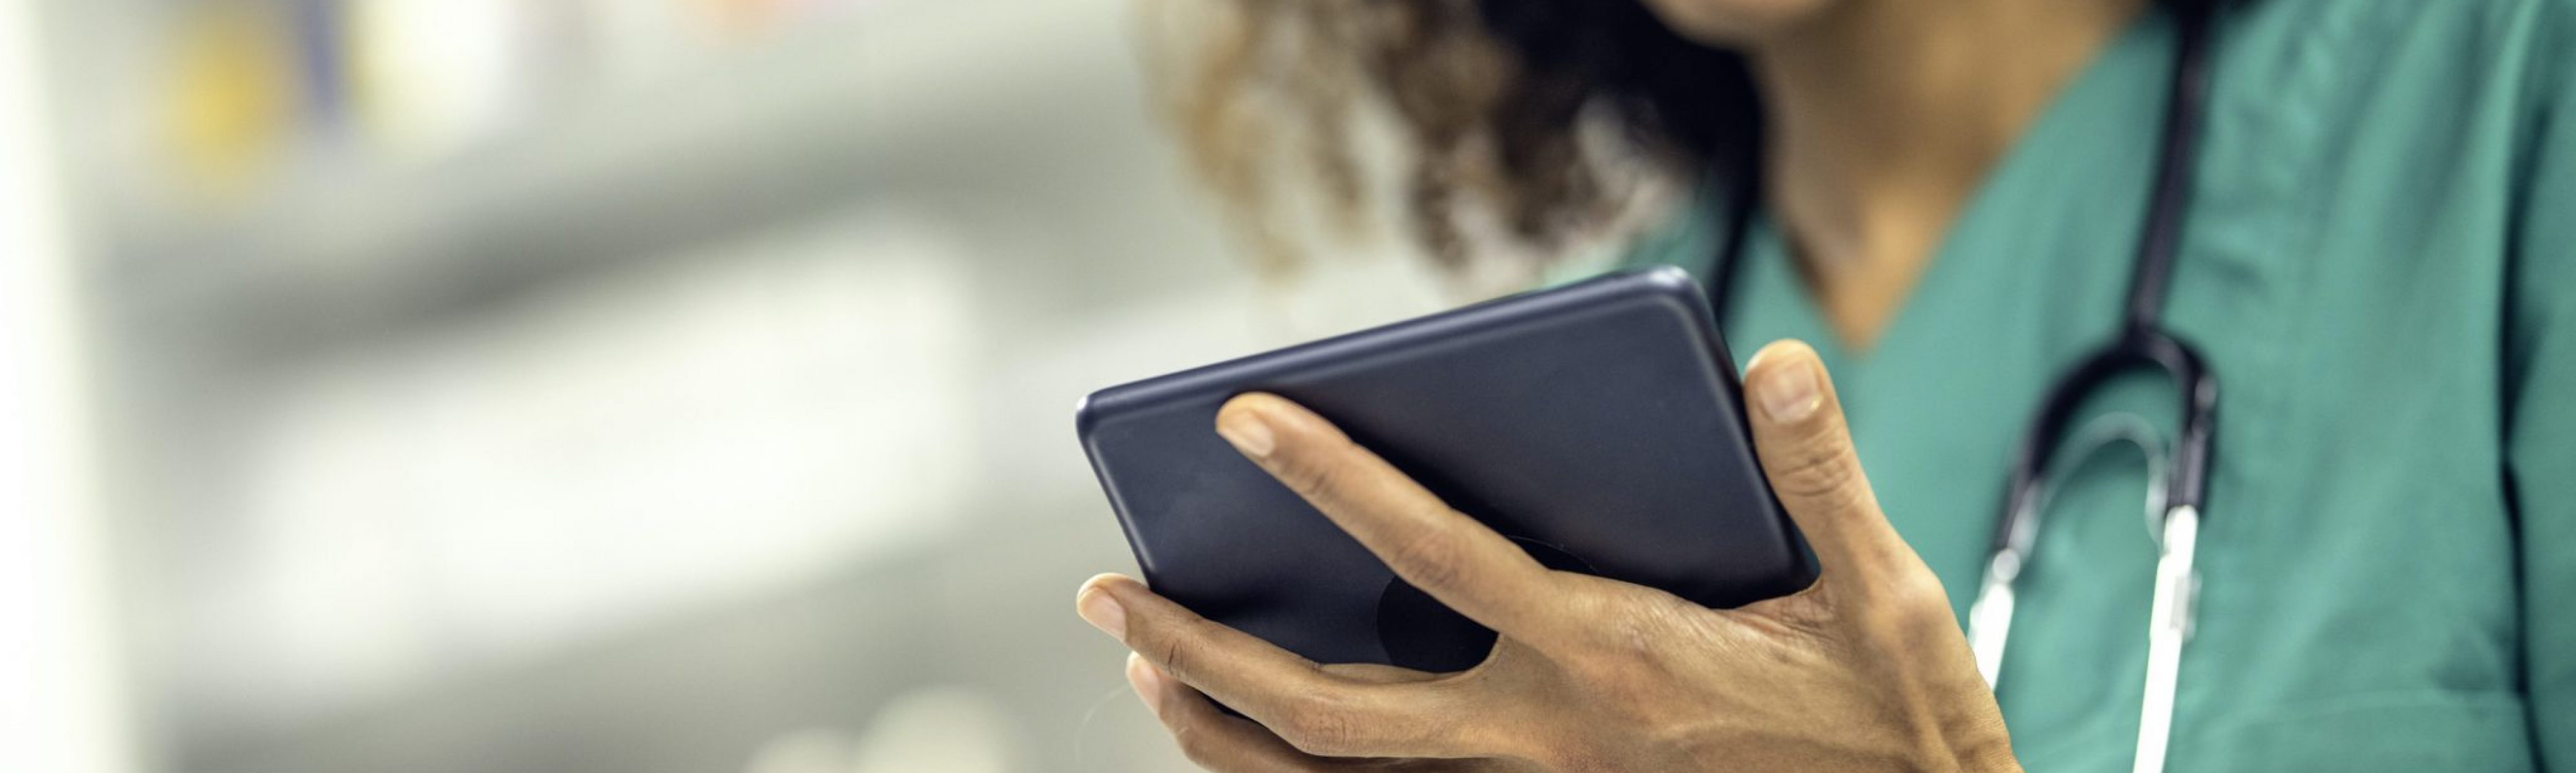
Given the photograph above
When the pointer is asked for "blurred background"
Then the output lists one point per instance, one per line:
(588, 385)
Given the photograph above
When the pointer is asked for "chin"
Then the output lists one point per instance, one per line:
(1734, 23)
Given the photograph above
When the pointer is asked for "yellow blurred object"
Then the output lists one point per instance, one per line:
(230, 99)
(738, 21)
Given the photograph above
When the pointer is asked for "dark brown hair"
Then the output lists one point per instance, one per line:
(1519, 109)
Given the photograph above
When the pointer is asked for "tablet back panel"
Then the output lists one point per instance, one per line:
(1599, 424)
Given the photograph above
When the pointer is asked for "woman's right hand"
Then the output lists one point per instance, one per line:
(1866, 670)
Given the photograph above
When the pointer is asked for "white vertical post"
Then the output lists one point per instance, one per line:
(61, 701)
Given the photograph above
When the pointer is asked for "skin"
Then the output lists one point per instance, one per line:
(1886, 116)
(1865, 670)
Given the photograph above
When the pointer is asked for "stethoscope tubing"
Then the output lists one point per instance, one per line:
(2142, 345)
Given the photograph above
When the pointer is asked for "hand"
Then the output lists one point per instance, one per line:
(1866, 670)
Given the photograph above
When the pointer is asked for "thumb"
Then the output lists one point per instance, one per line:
(1807, 452)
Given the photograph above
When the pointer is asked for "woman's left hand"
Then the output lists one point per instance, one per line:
(1866, 670)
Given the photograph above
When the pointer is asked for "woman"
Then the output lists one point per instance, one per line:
(2380, 261)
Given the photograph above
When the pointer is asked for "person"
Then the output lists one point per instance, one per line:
(2379, 260)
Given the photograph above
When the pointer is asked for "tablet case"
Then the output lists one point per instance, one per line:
(1600, 425)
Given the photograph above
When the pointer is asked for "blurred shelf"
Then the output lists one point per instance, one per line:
(906, 93)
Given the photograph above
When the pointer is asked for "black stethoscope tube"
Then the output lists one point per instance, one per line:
(2142, 344)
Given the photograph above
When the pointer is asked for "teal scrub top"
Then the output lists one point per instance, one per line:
(2381, 269)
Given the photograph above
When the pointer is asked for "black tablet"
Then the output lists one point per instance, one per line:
(1600, 425)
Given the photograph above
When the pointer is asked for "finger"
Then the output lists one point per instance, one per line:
(1229, 744)
(1806, 451)
(1211, 739)
(1446, 554)
(1373, 673)
(1316, 711)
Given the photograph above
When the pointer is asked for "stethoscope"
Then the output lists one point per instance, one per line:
(2178, 475)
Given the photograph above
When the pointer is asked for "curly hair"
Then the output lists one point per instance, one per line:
(1504, 105)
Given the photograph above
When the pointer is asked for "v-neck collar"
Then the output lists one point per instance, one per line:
(2056, 157)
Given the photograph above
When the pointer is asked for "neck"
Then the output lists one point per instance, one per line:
(1885, 117)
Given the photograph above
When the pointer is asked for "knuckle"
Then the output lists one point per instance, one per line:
(1637, 629)
(1627, 641)
(1899, 609)
(1914, 601)
(1176, 650)
(1631, 666)
(1429, 559)
(1619, 655)
(1821, 470)
(1314, 476)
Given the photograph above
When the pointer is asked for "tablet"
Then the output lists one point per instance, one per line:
(1600, 425)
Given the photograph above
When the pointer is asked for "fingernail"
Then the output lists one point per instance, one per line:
(1147, 680)
(1788, 392)
(1248, 434)
(1102, 612)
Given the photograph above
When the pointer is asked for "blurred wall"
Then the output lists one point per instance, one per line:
(63, 705)
(661, 385)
